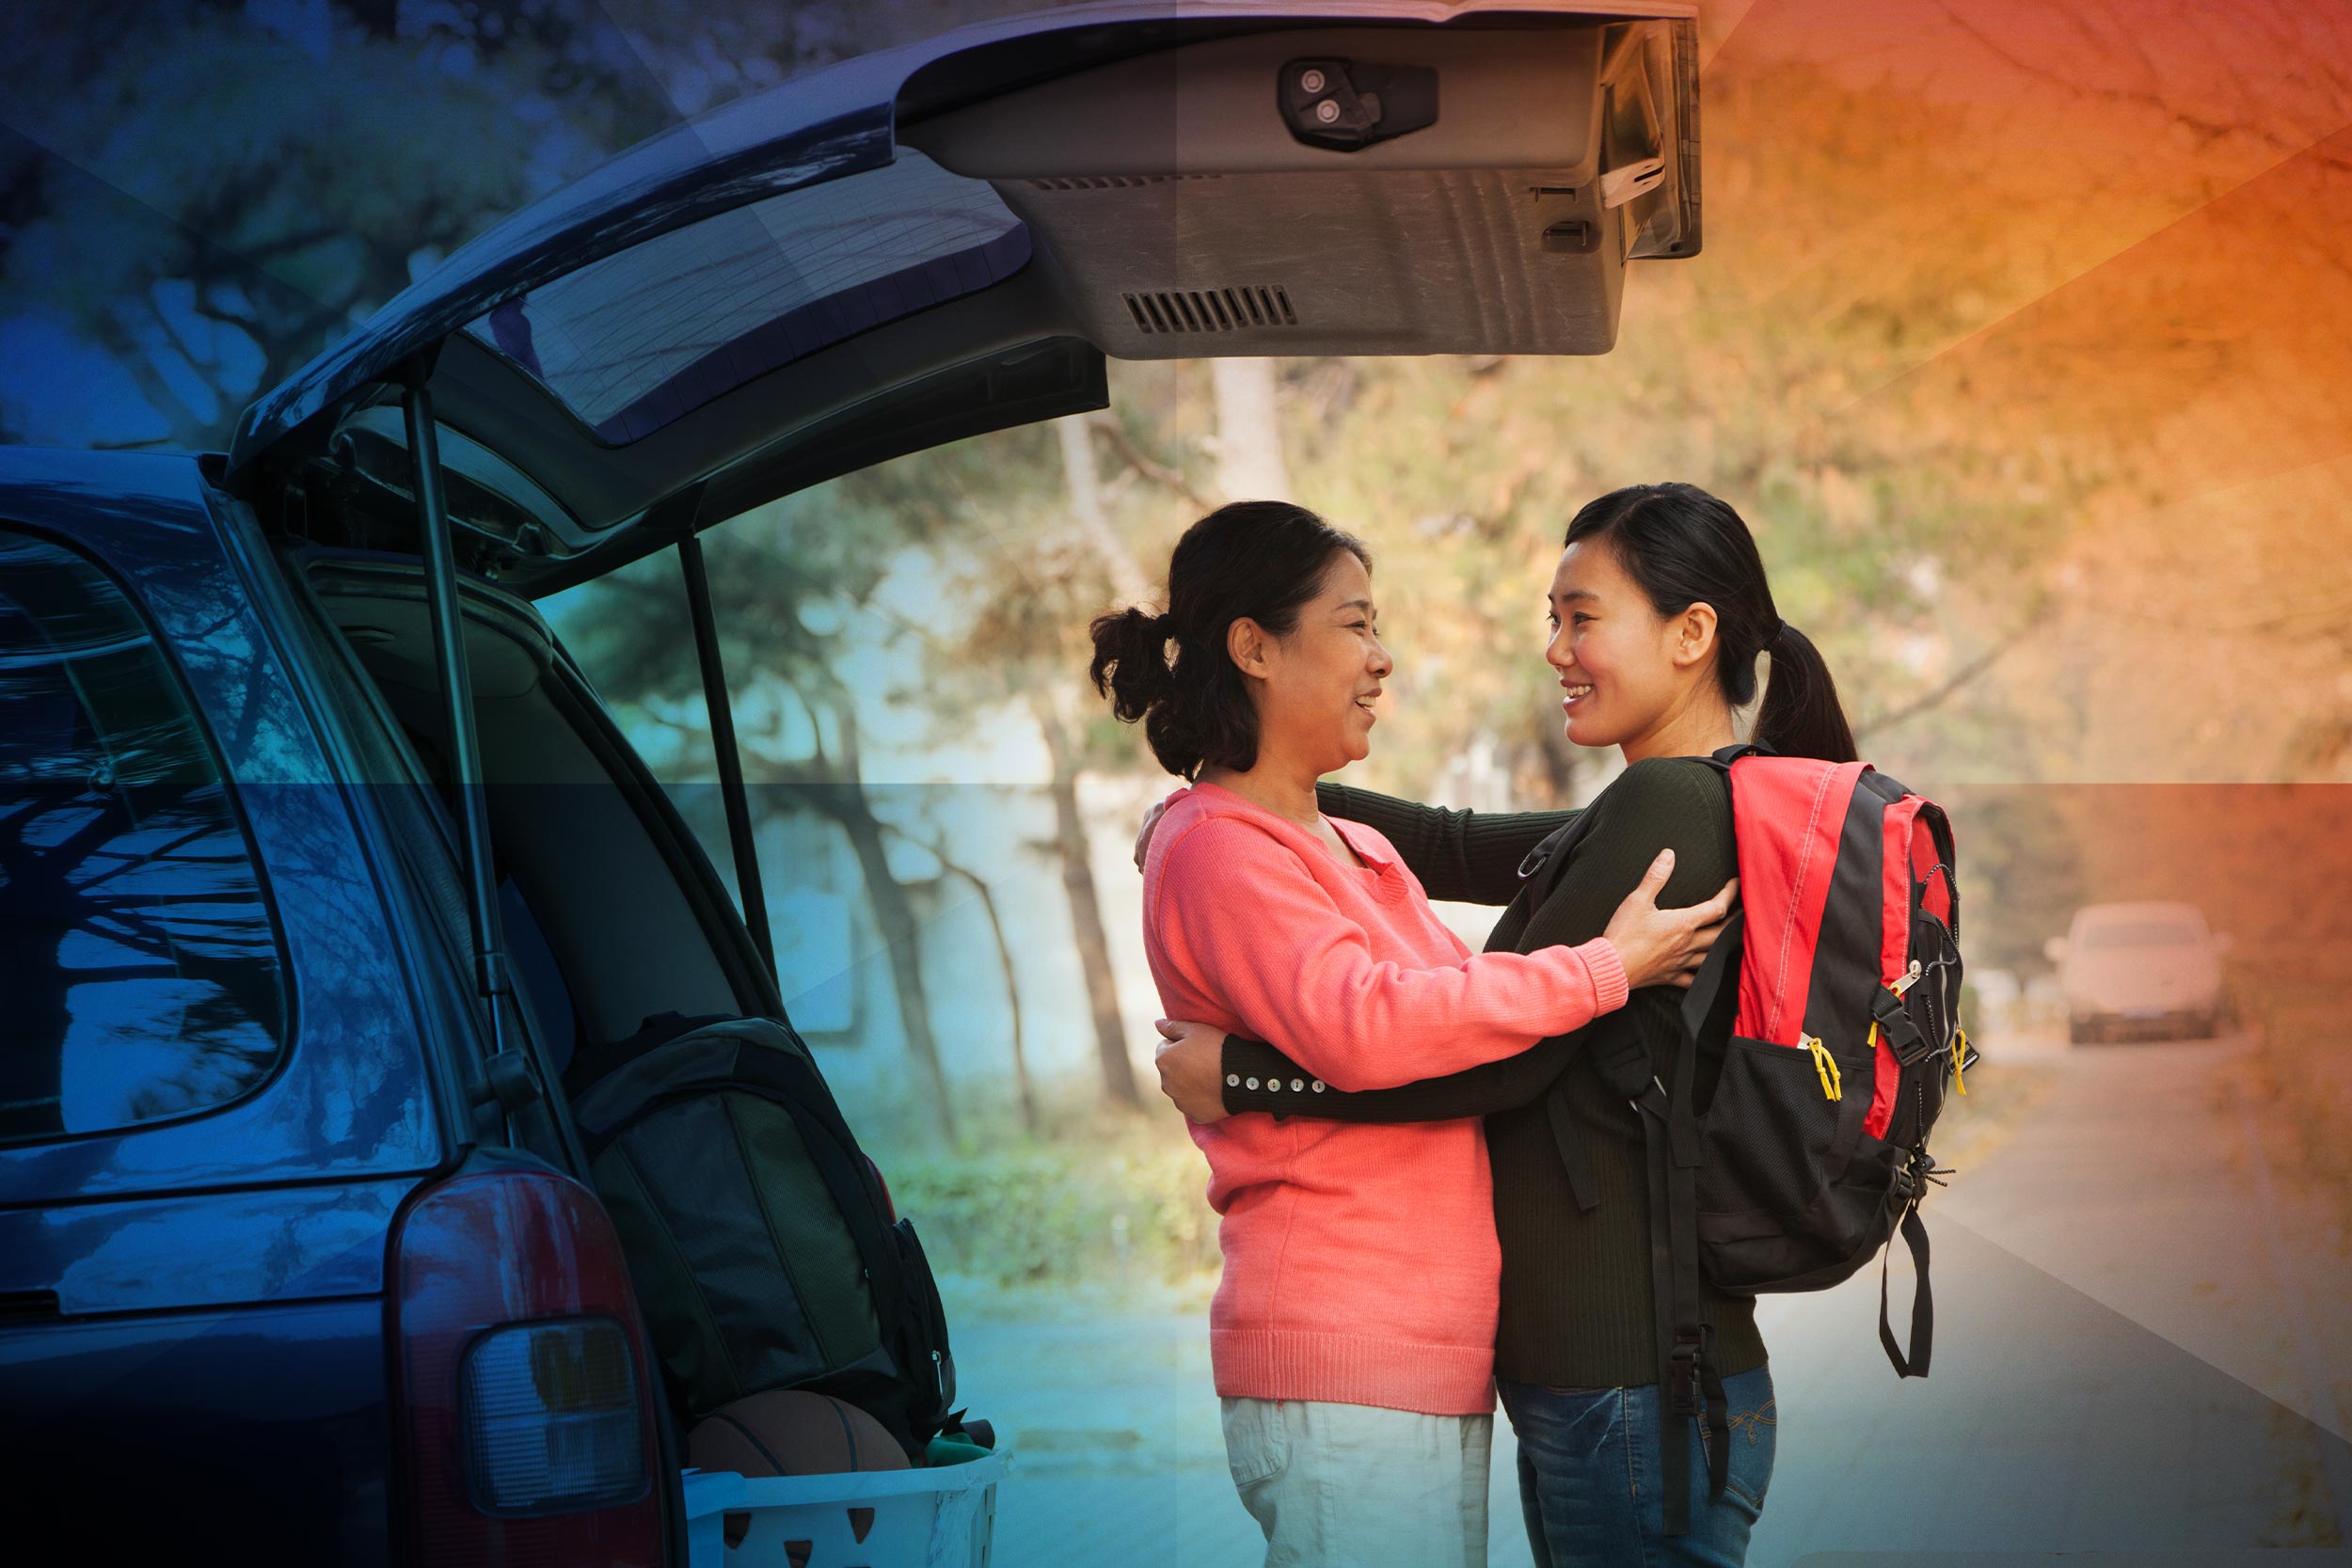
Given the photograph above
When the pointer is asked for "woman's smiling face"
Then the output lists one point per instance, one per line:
(1623, 667)
(1323, 678)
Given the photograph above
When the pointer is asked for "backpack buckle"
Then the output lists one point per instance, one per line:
(1533, 860)
(1898, 1028)
(1690, 1352)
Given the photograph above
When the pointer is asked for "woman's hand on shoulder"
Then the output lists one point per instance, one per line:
(1191, 1060)
(1665, 946)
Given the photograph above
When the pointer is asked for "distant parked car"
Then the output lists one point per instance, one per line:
(2139, 969)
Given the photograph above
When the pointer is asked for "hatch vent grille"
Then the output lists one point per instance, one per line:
(1171, 310)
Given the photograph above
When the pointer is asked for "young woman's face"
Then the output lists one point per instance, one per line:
(1320, 682)
(1623, 669)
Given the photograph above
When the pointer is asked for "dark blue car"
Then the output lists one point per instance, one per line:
(318, 856)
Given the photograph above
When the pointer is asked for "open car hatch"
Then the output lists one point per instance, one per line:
(924, 245)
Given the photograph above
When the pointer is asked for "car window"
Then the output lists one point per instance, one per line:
(2142, 933)
(638, 339)
(139, 959)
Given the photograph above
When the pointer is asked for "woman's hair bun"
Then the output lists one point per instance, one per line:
(1130, 664)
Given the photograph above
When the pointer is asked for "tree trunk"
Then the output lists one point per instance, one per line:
(1249, 463)
(1086, 504)
(1086, 912)
(1012, 997)
(901, 933)
(1012, 980)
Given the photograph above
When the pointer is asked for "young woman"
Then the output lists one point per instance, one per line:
(1657, 610)
(1353, 1332)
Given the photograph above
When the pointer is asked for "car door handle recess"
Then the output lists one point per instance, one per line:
(1348, 106)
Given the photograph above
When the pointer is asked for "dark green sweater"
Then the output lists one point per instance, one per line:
(1576, 1287)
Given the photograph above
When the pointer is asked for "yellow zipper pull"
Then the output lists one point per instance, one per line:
(1959, 1050)
(1824, 1067)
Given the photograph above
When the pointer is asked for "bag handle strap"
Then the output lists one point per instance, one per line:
(1915, 1363)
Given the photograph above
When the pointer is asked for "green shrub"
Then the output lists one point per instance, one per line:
(1122, 1197)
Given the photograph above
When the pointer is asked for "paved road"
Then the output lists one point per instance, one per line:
(2139, 1358)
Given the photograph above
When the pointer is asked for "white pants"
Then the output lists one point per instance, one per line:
(1345, 1485)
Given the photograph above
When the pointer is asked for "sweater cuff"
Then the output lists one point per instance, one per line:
(1608, 971)
(1260, 1078)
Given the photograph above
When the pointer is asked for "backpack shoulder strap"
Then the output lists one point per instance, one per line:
(1554, 847)
(1690, 1382)
(1619, 1053)
(1723, 758)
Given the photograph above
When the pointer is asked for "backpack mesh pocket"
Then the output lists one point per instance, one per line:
(1791, 1185)
(1773, 1136)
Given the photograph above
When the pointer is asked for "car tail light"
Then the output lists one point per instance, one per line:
(526, 1400)
(550, 1418)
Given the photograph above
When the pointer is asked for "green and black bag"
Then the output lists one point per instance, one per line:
(761, 1238)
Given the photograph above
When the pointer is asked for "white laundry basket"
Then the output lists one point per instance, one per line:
(944, 1517)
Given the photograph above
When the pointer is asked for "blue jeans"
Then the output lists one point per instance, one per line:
(1590, 1464)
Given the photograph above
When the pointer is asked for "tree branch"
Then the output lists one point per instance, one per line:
(1967, 672)
(1159, 473)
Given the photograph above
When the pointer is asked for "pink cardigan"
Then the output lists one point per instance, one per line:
(1361, 1261)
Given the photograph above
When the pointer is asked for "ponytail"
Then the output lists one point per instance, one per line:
(1801, 715)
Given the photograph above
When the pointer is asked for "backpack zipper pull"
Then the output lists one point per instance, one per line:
(1959, 1050)
(1824, 1067)
(1911, 978)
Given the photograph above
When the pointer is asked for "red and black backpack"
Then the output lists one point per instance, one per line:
(1812, 1153)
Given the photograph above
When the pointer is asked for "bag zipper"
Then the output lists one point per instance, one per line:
(1825, 1064)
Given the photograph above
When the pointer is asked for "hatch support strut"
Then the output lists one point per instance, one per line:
(722, 745)
(508, 1078)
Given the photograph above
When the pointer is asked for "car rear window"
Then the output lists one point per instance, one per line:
(640, 338)
(2142, 933)
(139, 959)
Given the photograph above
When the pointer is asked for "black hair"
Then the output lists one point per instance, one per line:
(1683, 546)
(1258, 559)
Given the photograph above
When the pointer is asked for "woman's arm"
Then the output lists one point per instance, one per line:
(1257, 1077)
(1241, 913)
(1664, 803)
(1462, 856)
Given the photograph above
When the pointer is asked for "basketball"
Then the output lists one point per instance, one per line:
(786, 1431)
(790, 1433)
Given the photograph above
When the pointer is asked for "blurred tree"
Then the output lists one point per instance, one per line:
(226, 189)
(1251, 465)
(1025, 648)
(790, 583)
(1912, 536)
(2021, 871)
(1055, 559)
(208, 194)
